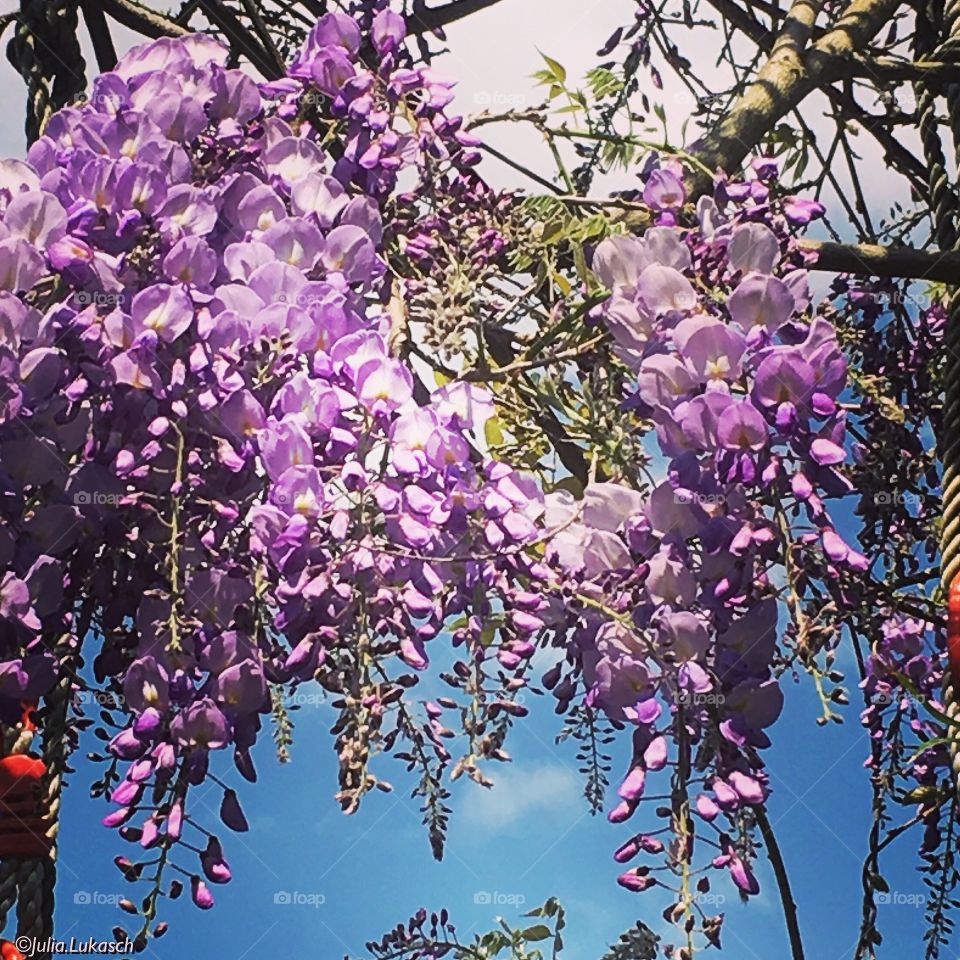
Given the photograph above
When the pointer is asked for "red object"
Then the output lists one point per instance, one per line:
(19, 770)
(953, 632)
(22, 827)
(28, 708)
(9, 951)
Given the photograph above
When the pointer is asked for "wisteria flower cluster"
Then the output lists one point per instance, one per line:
(678, 590)
(214, 460)
(223, 475)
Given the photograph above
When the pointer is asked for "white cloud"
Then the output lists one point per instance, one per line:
(521, 795)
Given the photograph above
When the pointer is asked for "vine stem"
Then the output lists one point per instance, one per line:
(783, 884)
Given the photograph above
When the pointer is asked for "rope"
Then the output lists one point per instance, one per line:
(8, 888)
(15, 874)
(44, 876)
(28, 885)
(943, 200)
(944, 213)
(45, 50)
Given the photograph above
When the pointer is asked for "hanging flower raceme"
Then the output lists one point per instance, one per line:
(674, 610)
(214, 461)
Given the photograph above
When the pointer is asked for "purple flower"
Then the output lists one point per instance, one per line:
(349, 250)
(201, 725)
(241, 687)
(670, 582)
(801, 211)
(711, 348)
(231, 813)
(662, 290)
(664, 381)
(761, 301)
(741, 427)
(215, 867)
(163, 309)
(384, 385)
(146, 686)
(387, 31)
(753, 248)
(284, 444)
(201, 894)
(664, 190)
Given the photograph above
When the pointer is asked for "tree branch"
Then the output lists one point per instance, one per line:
(893, 70)
(99, 31)
(425, 21)
(143, 20)
(241, 39)
(869, 259)
(788, 77)
(783, 883)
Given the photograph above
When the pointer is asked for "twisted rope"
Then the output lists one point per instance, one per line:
(45, 50)
(943, 200)
(44, 875)
(16, 740)
(28, 885)
(944, 214)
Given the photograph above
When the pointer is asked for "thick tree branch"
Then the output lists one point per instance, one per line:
(868, 259)
(892, 70)
(881, 70)
(788, 76)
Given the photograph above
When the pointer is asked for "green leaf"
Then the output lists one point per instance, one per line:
(488, 635)
(556, 69)
(494, 941)
(539, 931)
(554, 231)
(929, 745)
(925, 793)
(493, 431)
(563, 284)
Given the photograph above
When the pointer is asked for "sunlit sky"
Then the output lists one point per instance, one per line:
(311, 882)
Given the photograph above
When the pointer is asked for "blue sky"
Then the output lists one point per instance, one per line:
(346, 880)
